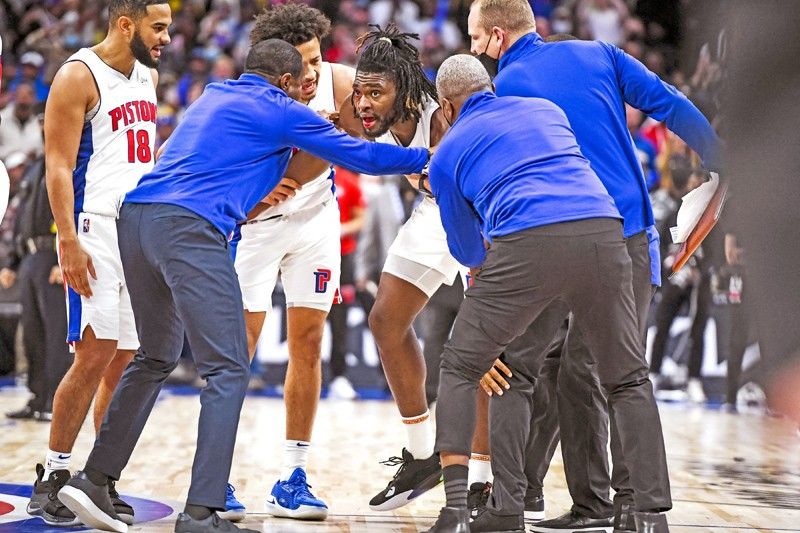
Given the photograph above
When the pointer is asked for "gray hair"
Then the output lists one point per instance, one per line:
(460, 76)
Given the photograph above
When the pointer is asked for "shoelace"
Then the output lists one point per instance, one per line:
(395, 461)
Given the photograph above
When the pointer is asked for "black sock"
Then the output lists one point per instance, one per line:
(96, 476)
(455, 485)
(198, 512)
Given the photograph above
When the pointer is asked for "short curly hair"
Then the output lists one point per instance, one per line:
(293, 23)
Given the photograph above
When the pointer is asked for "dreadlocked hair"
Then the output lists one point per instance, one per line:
(389, 51)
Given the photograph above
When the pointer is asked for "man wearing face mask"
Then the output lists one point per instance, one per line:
(591, 82)
(99, 135)
(555, 236)
(19, 129)
(173, 233)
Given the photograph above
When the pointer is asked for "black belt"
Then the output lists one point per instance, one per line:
(41, 243)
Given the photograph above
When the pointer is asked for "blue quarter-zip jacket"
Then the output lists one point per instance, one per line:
(234, 144)
(591, 81)
(493, 175)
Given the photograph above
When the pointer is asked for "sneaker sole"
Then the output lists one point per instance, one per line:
(534, 516)
(34, 509)
(234, 515)
(87, 512)
(304, 512)
(540, 529)
(403, 498)
(127, 518)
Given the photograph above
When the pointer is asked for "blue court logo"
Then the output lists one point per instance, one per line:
(14, 517)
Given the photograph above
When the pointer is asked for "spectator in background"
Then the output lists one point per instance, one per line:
(645, 150)
(166, 122)
(19, 129)
(729, 285)
(691, 285)
(198, 73)
(34, 268)
(16, 164)
(603, 20)
(31, 71)
(351, 214)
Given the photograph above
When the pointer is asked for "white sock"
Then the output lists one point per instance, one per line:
(295, 455)
(56, 461)
(480, 468)
(420, 435)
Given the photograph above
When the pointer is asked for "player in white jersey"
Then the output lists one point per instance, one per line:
(396, 103)
(99, 140)
(298, 238)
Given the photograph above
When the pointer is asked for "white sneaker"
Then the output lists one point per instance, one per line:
(694, 390)
(340, 388)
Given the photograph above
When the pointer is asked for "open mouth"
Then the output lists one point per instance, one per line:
(309, 87)
(155, 51)
(368, 122)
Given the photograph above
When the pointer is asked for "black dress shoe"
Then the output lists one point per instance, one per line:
(487, 520)
(212, 524)
(624, 517)
(451, 520)
(534, 507)
(651, 523)
(26, 413)
(573, 521)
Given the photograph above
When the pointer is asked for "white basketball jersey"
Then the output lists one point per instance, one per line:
(320, 189)
(117, 142)
(421, 139)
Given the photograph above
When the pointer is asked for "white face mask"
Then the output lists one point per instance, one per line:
(561, 26)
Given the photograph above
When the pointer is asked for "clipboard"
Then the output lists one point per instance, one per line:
(703, 227)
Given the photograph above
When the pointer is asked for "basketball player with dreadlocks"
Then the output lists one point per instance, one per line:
(295, 232)
(396, 104)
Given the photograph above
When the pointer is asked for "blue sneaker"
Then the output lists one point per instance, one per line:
(292, 499)
(235, 511)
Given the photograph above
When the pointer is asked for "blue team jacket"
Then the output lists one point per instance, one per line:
(234, 144)
(495, 175)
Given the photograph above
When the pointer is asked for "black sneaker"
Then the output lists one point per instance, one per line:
(44, 500)
(414, 478)
(451, 520)
(488, 521)
(573, 521)
(477, 497)
(534, 507)
(91, 504)
(123, 509)
(187, 524)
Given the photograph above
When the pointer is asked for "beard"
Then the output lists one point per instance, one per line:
(141, 52)
(382, 125)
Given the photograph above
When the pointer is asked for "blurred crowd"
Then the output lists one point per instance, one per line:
(210, 39)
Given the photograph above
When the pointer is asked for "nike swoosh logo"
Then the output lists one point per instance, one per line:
(303, 445)
(64, 456)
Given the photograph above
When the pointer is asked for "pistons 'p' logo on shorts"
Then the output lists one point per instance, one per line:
(321, 278)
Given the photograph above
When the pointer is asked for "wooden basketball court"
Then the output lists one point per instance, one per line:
(729, 472)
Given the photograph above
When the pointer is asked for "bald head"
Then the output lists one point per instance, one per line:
(461, 76)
